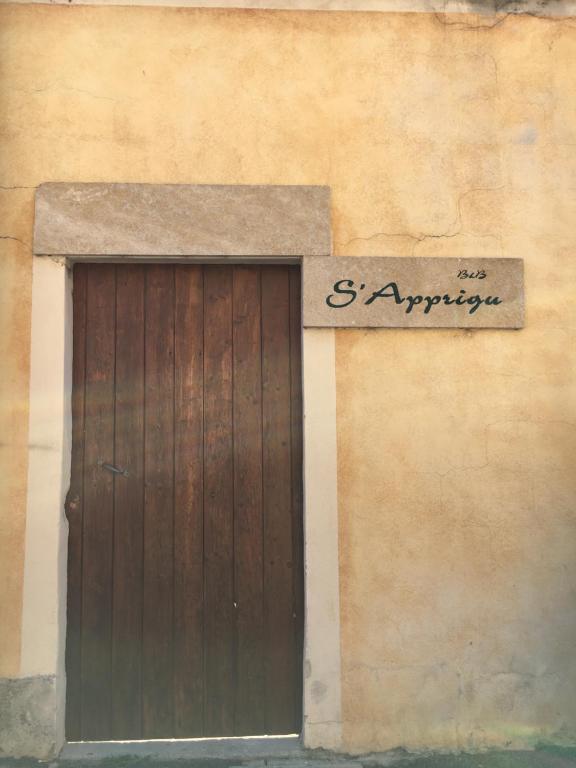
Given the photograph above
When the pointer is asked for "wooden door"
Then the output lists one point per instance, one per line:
(185, 573)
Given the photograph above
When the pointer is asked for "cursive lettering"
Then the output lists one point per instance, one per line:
(345, 289)
(338, 289)
(480, 274)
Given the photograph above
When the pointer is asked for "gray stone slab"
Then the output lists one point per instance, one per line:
(181, 220)
(419, 292)
(28, 717)
(233, 748)
(331, 761)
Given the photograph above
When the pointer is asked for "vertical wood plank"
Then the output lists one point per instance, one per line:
(128, 505)
(218, 503)
(74, 510)
(188, 500)
(277, 487)
(158, 607)
(249, 705)
(98, 503)
(296, 435)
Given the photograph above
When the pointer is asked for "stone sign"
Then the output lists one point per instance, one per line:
(391, 292)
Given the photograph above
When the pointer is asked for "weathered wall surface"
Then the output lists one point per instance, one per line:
(449, 136)
(457, 450)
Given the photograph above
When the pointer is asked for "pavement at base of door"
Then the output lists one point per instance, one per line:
(546, 757)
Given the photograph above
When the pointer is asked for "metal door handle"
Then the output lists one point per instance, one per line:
(113, 469)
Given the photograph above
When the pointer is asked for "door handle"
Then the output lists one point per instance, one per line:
(113, 469)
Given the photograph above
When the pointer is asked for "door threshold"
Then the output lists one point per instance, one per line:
(218, 748)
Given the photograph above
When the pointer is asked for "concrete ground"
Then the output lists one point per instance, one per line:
(545, 757)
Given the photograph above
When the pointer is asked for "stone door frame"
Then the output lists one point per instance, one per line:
(161, 223)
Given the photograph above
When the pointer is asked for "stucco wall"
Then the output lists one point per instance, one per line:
(449, 136)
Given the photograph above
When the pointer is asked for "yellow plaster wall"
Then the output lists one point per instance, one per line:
(449, 136)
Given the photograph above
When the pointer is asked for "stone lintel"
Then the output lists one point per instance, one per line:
(158, 220)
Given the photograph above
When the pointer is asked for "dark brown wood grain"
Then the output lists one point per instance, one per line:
(128, 505)
(249, 586)
(185, 576)
(158, 609)
(97, 534)
(277, 487)
(219, 612)
(74, 509)
(189, 503)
